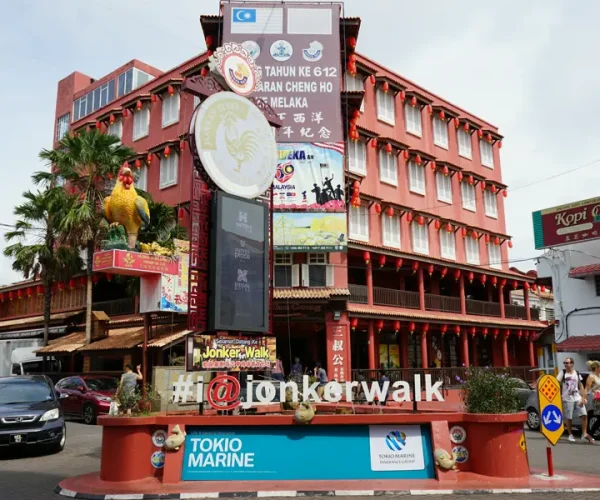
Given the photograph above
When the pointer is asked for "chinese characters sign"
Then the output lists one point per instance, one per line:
(239, 271)
(216, 353)
(134, 263)
(337, 359)
(567, 224)
(298, 48)
(309, 232)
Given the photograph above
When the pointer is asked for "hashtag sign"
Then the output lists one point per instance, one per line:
(182, 389)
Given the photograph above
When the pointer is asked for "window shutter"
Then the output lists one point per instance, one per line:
(305, 280)
(329, 276)
(296, 275)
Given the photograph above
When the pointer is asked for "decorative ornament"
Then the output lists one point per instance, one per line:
(381, 260)
(366, 257)
(470, 276)
(354, 323)
(398, 263)
(396, 326)
(443, 329)
(377, 208)
(379, 325)
(390, 212)
(430, 269)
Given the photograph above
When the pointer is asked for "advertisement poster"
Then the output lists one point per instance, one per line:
(309, 232)
(389, 356)
(297, 47)
(174, 287)
(350, 452)
(310, 176)
(232, 354)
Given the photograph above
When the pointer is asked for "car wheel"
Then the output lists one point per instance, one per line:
(89, 414)
(593, 425)
(533, 419)
(60, 446)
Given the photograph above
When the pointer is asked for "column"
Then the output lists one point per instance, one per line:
(424, 360)
(463, 297)
(531, 352)
(501, 300)
(526, 303)
(474, 351)
(337, 335)
(504, 350)
(421, 289)
(369, 283)
(371, 342)
(465, 349)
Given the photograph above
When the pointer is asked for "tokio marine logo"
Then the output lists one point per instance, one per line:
(396, 440)
(285, 171)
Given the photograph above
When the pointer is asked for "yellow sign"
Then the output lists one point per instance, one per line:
(551, 415)
(523, 442)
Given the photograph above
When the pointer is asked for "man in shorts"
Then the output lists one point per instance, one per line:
(573, 399)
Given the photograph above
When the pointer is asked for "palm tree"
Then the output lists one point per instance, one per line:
(86, 161)
(36, 248)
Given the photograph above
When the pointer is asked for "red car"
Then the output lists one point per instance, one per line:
(87, 396)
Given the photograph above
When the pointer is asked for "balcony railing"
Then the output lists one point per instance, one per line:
(481, 308)
(442, 303)
(398, 298)
(358, 294)
(116, 307)
(517, 312)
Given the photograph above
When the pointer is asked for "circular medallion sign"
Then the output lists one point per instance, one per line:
(235, 144)
(158, 459)
(458, 435)
(461, 454)
(238, 74)
(159, 437)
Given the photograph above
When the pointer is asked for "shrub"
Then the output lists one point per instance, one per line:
(484, 391)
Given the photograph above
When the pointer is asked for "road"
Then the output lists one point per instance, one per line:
(34, 476)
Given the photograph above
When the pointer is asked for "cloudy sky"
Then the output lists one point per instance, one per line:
(528, 67)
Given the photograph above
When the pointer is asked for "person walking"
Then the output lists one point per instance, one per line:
(592, 387)
(321, 376)
(126, 390)
(278, 371)
(574, 399)
(297, 370)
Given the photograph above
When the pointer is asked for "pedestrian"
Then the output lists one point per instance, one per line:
(278, 371)
(574, 399)
(360, 391)
(321, 376)
(383, 378)
(126, 391)
(592, 387)
(297, 371)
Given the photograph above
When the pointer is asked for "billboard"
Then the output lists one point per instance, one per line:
(231, 354)
(132, 263)
(174, 287)
(239, 284)
(310, 176)
(567, 224)
(297, 47)
(309, 232)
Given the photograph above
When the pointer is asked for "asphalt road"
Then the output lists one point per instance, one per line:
(30, 475)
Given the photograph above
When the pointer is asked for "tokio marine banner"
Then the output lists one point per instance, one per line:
(310, 176)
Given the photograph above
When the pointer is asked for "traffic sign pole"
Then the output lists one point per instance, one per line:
(549, 459)
(551, 415)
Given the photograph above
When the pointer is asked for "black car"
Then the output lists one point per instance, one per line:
(30, 413)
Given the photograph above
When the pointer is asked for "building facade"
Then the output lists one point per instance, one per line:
(425, 282)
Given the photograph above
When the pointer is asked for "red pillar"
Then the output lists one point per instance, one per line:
(371, 340)
(501, 300)
(369, 283)
(463, 297)
(505, 350)
(421, 278)
(531, 353)
(465, 350)
(424, 360)
(526, 303)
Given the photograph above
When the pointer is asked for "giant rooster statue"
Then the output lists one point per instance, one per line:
(125, 207)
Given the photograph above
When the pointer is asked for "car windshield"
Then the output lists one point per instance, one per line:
(101, 384)
(14, 391)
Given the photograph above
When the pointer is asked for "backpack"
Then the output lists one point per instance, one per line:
(564, 374)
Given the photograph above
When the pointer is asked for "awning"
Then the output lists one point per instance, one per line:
(580, 343)
(309, 293)
(584, 271)
(34, 333)
(127, 338)
(37, 319)
(168, 339)
(64, 345)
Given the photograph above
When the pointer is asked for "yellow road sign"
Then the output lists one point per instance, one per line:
(551, 416)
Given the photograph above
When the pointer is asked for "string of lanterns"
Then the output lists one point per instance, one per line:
(59, 286)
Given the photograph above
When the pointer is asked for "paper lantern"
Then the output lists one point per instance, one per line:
(457, 274)
(499, 144)
(125, 113)
(386, 87)
(457, 330)
(405, 154)
(402, 95)
(494, 281)
(510, 244)
(139, 105)
(418, 160)
(137, 163)
(429, 109)
(372, 79)
(483, 186)
(446, 171)
(356, 114)
(108, 277)
(444, 329)
(425, 327)
(493, 189)
(209, 41)
(180, 213)
(430, 269)
(459, 176)
(487, 238)
(437, 224)
(149, 158)
(470, 276)
(505, 193)
(502, 282)
(182, 145)
(519, 334)
(167, 152)
(83, 281)
(415, 266)
(379, 325)
(2, 297)
(377, 208)
(489, 137)
(373, 142)
(474, 235)
(463, 232)
(411, 327)
(170, 90)
(409, 217)
(456, 122)
(466, 127)
(413, 101)
(98, 125)
(496, 332)
(421, 220)
(388, 148)
(479, 133)
(515, 284)
(483, 279)
(507, 332)
(11, 295)
(542, 289)
(390, 212)
(356, 185)
(485, 332)
(448, 228)
(153, 98)
(112, 119)
(39, 289)
(381, 260)
(470, 180)
(204, 71)
(366, 257)
(398, 263)
(473, 331)
(29, 291)
(353, 323)
(396, 326)
(443, 272)
(526, 286)
(534, 287)
(433, 166)
(496, 241)
(442, 115)
(72, 284)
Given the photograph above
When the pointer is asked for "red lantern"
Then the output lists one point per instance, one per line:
(379, 325)
(204, 71)
(519, 334)
(470, 276)
(507, 332)
(433, 166)
(39, 289)
(457, 274)
(466, 127)
(448, 228)
(443, 272)
(487, 238)
(496, 332)
(430, 269)
(388, 148)
(108, 277)
(411, 327)
(463, 232)
(499, 144)
(413, 101)
(386, 87)
(209, 41)
(470, 180)
(98, 125)
(149, 158)
(421, 220)
(457, 330)
(429, 109)
(29, 291)
(473, 331)
(153, 98)
(456, 123)
(474, 235)
(483, 186)
(355, 114)
(366, 257)
(494, 281)
(479, 133)
(125, 113)
(515, 284)
(112, 119)
(11, 295)
(381, 260)
(170, 90)
(2, 297)
(353, 323)
(402, 95)
(356, 185)
(372, 79)
(493, 189)
(180, 213)
(71, 284)
(398, 263)
(82, 281)
(444, 329)
(505, 193)
(483, 279)
(139, 105)
(459, 176)
(396, 326)
(373, 142)
(437, 224)
(425, 328)
(415, 266)
(446, 171)
(405, 154)
(489, 137)
(510, 244)
(542, 289)
(502, 282)
(418, 160)
(442, 115)
(182, 145)
(377, 208)
(526, 286)
(534, 287)
(137, 163)
(390, 212)
(409, 217)
(167, 152)
(485, 332)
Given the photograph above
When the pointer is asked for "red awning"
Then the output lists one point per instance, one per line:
(583, 271)
(580, 343)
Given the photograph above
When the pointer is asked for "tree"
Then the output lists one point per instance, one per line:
(87, 162)
(36, 249)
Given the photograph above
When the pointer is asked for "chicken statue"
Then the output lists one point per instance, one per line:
(125, 207)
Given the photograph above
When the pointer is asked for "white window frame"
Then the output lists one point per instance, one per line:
(465, 144)
(169, 170)
(388, 168)
(390, 231)
(355, 83)
(440, 132)
(142, 178)
(472, 250)
(286, 260)
(447, 244)
(385, 101)
(357, 157)
(495, 260)
(468, 202)
(486, 152)
(116, 129)
(443, 185)
(490, 203)
(420, 238)
(62, 126)
(317, 259)
(170, 109)
(359, 223)
(416, 178)
(413, 118)
(141, 123)
(196, 101)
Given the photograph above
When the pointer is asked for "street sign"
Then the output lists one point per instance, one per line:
(551, 418)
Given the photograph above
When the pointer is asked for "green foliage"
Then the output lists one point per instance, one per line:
(484, 391)
(136, 401)
(163, 227)
(116, 239)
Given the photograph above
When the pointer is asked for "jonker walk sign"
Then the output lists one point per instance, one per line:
(551, 416)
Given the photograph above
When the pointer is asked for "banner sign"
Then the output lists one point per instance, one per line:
(174, 287)
(232, 354)
(131, 263)
(309, 232)
(297, 47)
(345, 452)
(567, 224)
(310, 176)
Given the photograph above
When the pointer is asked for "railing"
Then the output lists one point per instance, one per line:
(482, 308)
(116, 307)
(517, 312)
(535, 314)
(398, 298)
(358, 294)
(442, 303)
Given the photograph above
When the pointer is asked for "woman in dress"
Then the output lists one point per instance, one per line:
(592, 387)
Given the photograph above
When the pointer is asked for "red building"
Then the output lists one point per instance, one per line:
(426, 280)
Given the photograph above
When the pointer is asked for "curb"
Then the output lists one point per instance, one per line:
(302, 493)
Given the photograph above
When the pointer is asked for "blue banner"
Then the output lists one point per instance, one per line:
(308, 453)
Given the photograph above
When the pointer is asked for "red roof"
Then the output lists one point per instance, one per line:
(580, 343)
(582, 271)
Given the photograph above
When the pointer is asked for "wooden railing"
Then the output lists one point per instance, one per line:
(442, 303)
(116, 307)
(358, 294)
(398, 298)
(517, 312)
(482, 308)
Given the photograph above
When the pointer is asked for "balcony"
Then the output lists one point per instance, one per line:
(385, 297)
(116, 307)
(481, 308)
(442, 303)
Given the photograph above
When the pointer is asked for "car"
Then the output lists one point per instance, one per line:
(30, 413)
(87, 396)
(524, 391)
(533, 413)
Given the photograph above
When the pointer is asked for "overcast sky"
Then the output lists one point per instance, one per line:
(530, 68)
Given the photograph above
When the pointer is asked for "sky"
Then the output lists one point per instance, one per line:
(530, 68)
